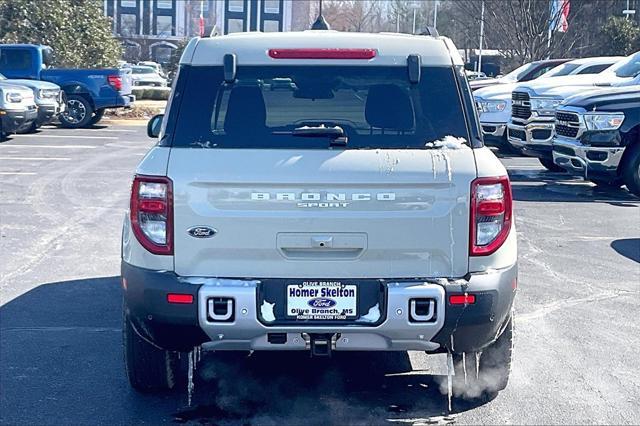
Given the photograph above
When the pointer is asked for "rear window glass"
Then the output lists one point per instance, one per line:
(375, 107)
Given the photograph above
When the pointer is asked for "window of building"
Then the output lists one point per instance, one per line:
(236, 5)
(164, 25)
(128, 3)
(128, 24)
(235, 26)
(164, 4)
(272, 6)
(271, 26)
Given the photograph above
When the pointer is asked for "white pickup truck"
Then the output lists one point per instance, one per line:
(494, 102)
(530, 128)
(319, 191)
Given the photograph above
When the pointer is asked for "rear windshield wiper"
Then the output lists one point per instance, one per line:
(335, 133)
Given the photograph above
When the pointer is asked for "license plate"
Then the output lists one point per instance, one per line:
(322, 300)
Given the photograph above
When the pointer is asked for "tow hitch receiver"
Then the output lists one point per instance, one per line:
(321, 344)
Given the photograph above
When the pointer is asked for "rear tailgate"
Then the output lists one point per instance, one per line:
(321, 213)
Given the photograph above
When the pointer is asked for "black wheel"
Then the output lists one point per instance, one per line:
(484, 374)
(78, 113)
(548, 164)
(3, 135)
(631, 170)
(149, 368)
(97, 116)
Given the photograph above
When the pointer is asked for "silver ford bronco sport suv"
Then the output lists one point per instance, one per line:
(319, 191)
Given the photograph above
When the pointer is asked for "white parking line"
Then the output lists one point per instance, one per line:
(64, 137)
(54, 146)
(17, 173)
(37, 158)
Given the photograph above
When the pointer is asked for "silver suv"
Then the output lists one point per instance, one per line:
(319, 191)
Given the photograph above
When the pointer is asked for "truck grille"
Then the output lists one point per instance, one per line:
(567, 124)
(521, 105)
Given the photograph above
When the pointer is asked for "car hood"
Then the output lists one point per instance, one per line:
(33, 84)
(485, 82)
(569, 85)
(592, 99)
(16, 88)
(497, 91)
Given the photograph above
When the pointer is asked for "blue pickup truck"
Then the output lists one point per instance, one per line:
(88, 91)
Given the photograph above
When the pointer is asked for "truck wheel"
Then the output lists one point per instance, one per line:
(487, 372)
(149, 368)
(97, 116)
(631, 170)
(78, 113)
(548, 164)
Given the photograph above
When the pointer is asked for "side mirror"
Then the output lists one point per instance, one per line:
(154, 125)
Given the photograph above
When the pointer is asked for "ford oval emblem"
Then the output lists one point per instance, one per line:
(321, 302)
(201, 232)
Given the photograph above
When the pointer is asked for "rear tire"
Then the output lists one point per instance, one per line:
(631, 170)
(97, 116)
(149, 368)
(490, 374)
(78, 113)
(548, 164)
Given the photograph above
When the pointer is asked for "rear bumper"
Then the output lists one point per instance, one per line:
(584, 160)
(534, 139)
(453, 327)
(13, 121)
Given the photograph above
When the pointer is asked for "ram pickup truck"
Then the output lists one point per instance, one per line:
(494, 102)
(18, 109)
(88, 91)
(530, 128)
(526, 72)
(49, 99)
(597, 136)
(353, 209)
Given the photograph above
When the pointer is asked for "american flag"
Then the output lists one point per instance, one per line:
(559, 20)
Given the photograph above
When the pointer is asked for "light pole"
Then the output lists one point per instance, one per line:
(481, 38)
(435, 14)
(415, 6)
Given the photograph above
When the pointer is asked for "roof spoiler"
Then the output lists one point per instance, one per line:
(430, 31)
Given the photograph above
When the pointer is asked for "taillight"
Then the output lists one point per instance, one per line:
(151, 212)
(115, 81)
(491, 214)
(322, 53)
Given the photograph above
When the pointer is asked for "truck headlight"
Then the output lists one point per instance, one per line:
(48, 93)
(490, 106)
(545, 106)
(13, 97)
(603, 121)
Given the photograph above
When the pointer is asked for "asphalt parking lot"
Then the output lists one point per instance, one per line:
(63, 194)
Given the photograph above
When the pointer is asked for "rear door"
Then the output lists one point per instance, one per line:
(384, 206)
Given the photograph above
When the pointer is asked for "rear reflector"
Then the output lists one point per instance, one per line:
(179, 298)
(462, 299)
(322, 53)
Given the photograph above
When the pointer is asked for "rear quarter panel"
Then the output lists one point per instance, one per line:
(488, 165)
(91, 81)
